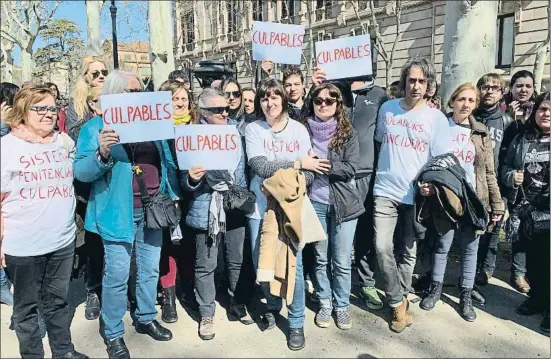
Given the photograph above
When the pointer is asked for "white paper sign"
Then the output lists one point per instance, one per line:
(346, 57)
(139, 116)
(215, 147)
(280, 43)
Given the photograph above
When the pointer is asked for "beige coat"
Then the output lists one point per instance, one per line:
(290, 222)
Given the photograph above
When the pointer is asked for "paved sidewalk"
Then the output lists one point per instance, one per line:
(498, 333)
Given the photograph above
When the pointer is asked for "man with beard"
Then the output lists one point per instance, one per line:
(489, 113)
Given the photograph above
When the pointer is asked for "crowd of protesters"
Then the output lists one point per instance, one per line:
(345, 176)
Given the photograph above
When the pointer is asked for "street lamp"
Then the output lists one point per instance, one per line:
(113, 10)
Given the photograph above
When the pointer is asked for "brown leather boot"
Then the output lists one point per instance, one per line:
(401, 319)
(521, 284)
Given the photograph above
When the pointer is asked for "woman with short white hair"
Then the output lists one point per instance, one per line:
(123, 177)
(212, 224)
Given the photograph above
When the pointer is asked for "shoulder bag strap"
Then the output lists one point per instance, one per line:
(143, 190)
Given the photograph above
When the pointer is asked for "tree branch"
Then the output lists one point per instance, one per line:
(9, 37)
(398, 37)
(379, 37)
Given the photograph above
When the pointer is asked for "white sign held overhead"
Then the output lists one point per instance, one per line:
(139, 116)
(345, 57)
(215, 147)
(280, 43)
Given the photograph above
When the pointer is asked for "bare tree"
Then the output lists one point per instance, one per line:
(28, 19)
(160, 40)
(469, 42)
(93, 14)
(393, 7)
(6, 47)
(542, 52)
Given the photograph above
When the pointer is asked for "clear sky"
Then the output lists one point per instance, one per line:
(131, 21)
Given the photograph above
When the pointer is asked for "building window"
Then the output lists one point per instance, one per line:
(127, 57)
(505, 40)
(257, 10)
(288, 10)
(188, 26)
(232, 17)
(324, 9)
(144, 71)
(362, 5)
(144, 57)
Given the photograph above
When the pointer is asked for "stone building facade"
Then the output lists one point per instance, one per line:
(221, 30)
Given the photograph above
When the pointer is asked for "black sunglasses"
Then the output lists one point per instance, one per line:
(328, 101)
(217, 110)
(96, 73)
(133, 90)
(235, 94)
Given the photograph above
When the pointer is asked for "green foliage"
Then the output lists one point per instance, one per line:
(64, 44)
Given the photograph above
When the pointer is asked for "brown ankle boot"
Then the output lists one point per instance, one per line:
(401, 319)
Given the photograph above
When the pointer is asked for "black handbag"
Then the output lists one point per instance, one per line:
(160, 211)
(238, 198)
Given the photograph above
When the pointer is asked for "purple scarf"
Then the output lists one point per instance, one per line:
(322, 133)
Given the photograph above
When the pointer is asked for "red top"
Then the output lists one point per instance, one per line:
(62, 120)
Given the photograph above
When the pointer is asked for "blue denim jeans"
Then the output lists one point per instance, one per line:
(3, 278)
(115, 278)
(469, 249)
(295, 310)
(333, 267)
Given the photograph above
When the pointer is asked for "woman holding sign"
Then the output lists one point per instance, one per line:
(276, 141)
(122, 178)
(38, 224)
(336, 199)
(212, 223)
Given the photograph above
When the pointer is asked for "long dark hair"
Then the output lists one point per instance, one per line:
(7, 92)
(268, 88)
(344, 126)
(532, 125)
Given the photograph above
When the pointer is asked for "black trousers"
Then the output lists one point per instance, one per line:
(206, 262)
(42, 283)
(364, 245)
(94, 252)
(538, 266)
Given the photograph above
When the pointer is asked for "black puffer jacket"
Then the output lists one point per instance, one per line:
(344, 164)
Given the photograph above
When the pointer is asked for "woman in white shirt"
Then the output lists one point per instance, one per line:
(273, 142)
(38, 225)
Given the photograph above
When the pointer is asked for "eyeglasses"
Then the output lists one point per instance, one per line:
(42, 110)
(328, 101)
(217, 110)
(132, 90)
(235, 94)
(96, 73)
(490, 88)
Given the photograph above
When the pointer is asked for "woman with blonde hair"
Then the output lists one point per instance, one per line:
(38, 225)
(92, 74)
(472, 146)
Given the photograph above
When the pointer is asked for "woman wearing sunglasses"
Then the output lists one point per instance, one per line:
(211, 224)
(336, 201)
(178, 258)
(276, 141)
(38, 223)
(116, 213)
(233, 94)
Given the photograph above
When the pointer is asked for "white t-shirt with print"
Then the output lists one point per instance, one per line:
(463, 148)
(288, 144)
(409, 139)
(39, 207)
